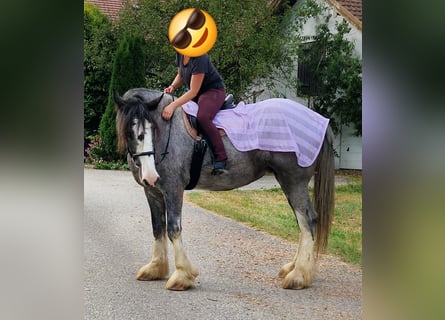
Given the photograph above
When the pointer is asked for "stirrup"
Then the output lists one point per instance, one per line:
(219, 167)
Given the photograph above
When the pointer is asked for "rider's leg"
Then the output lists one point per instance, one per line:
(209, 104)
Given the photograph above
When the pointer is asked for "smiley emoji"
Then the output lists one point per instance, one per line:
(192, 32)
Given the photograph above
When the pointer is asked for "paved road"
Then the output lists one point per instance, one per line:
(238, 265)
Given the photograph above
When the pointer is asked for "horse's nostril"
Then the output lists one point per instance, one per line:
(150, 181)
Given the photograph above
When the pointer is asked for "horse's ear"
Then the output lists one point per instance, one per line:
(152, 105)
(118, 99)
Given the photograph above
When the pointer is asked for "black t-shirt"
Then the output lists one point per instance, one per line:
(201, 64)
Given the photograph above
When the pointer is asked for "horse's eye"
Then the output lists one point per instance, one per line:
(141, 137)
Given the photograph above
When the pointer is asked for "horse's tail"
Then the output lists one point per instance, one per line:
(324, 188)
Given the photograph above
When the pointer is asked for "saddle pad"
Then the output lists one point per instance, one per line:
(272, 125)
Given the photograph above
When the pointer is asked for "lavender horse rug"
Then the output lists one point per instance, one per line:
(272, 125)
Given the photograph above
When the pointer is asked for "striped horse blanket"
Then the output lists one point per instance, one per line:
(272, 125)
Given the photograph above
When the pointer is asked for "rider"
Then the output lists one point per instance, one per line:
(206, 88)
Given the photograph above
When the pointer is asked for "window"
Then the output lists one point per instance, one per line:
(308, 63)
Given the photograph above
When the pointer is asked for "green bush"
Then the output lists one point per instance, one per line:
(341, 73)
(128, 72)
(99, 46)
(95, 153)
(335, 66)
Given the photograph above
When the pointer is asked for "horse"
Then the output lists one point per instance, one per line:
(159, 154)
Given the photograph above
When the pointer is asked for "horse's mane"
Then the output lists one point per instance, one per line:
(136, 106)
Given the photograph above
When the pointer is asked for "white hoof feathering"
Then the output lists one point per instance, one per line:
(157, 269)
(184, 276)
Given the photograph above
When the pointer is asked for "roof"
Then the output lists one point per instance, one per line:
(353, 6)
(351, 10)
(109, 7)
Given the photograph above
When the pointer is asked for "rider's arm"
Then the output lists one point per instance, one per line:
(195, 86)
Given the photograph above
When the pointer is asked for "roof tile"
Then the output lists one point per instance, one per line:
(353, 6)
(109, 7)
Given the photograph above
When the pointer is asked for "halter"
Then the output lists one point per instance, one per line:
(140, 154)
(152, 152)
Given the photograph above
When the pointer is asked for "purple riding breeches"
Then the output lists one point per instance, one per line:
(209, 104)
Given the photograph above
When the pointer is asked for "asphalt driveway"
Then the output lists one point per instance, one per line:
(238, 265)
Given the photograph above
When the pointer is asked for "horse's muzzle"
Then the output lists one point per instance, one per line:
(149, 178)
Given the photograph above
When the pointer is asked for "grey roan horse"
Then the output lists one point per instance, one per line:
(159, 155)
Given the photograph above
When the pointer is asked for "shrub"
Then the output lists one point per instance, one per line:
(335, 68)
(99, 45)
(128, 72)
(95, 153)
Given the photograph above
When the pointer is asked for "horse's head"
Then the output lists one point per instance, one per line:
(135, 127)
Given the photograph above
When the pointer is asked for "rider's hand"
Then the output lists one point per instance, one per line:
(170, 89)
(167, 113)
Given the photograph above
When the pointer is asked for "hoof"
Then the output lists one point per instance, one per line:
(178, 287)
(181, 280)
(152, 271)
(284, 271)
(297, 280)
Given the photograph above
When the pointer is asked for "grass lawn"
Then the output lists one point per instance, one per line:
(269, 211)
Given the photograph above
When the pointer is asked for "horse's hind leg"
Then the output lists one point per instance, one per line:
(157, 268)
(184, 276)
(300, 272)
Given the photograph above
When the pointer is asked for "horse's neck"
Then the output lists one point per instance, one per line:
(173, 129)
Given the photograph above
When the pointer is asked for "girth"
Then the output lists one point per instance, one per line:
(199, 150)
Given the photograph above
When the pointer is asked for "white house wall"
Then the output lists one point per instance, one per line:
(354, 36)
(349, 150)
(348, 146)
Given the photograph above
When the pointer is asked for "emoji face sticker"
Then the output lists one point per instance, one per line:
(192, 32)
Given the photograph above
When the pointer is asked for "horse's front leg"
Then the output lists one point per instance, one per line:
(184, 276)
(157, 268)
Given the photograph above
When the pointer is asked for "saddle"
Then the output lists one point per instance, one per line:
(200, 147)
(192, 125)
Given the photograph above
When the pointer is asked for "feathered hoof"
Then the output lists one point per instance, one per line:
(297, 280)
(181, 280)
(153, 271)
(284, 271)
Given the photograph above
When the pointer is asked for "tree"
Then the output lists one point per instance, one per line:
(335, 72)
(339, 75)
(248, 47)
(128, 72)
(99, 46)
